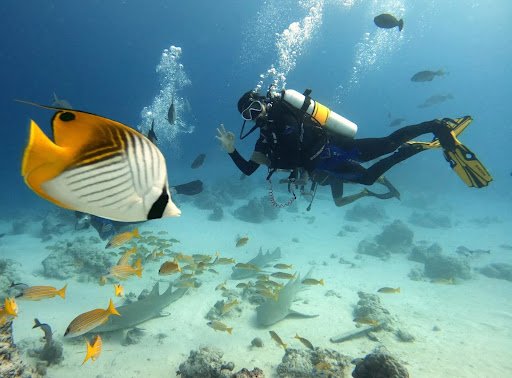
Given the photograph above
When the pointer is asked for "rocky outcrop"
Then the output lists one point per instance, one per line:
(11, 365)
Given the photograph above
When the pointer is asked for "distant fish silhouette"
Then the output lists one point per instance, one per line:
(396, 122)
(151, 133)
(435, 100)
(388, 21)
(423, 76)
(198, 161)
(171, 113)
(60, 102)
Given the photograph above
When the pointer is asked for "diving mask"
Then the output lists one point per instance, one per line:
(252, 111)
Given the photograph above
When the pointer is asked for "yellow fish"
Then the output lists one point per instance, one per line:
(283, 275)
(219, 326)
(283, 266)
(226, 307)
(223, 260)
(122, 238)
(169, 267)
(389, 290)
(241, 241)
(8, 311)
(118, 290)
(125, 258)
(268, 294)
(312, 281)
(366, 320)
(93, 349)
(304, 341)
(36, 293)
(122, 272)
(187, 283)
(247, 266)
(89, 320)
(221, 286)
(97, 166)
(181, 257)
(277, 339)
(444, 281)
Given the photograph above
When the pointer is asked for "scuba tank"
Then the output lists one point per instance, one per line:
(323, 115)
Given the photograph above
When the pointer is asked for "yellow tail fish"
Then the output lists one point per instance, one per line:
(93, 349)
(89, 320)
(36, 293)
(97, 166)
(122, 238)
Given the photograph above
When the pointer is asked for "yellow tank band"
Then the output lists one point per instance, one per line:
(320, 113)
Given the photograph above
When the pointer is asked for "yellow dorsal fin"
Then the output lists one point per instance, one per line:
(42, 161)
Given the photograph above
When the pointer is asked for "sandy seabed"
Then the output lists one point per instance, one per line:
(474, 317)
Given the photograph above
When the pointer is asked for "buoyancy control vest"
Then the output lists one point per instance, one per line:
(294, 138)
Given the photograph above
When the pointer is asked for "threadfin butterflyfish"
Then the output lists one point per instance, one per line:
(97, 166)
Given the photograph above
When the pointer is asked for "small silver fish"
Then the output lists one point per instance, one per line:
(46, 329)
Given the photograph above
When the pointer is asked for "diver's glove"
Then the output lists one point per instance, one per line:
(227, 139)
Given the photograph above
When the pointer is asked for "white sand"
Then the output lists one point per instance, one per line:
(474, 317)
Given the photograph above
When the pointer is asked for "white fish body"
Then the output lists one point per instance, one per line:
(98, 166)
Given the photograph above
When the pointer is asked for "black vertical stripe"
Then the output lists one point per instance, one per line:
(157, 210)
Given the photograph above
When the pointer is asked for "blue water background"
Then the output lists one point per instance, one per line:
(101, 56)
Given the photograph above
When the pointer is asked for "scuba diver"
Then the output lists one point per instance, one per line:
(300, 135)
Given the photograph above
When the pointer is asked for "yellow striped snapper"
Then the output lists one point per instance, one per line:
(122, 272)
(226, 307)
(89, 320)
(219, 326)
(122, 238)
(36, 293)
(304, 341)
(125, 258)
(277, 339)
(97, 166)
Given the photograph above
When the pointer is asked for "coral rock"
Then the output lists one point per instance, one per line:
(379, 365)
(306, 363)
(11, 365)
(205, 363)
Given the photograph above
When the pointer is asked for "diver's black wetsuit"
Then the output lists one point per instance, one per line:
(329, 158)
